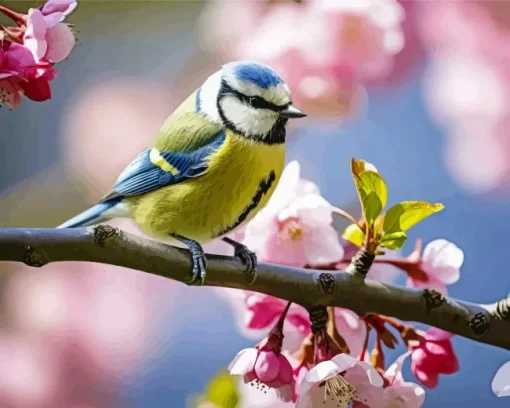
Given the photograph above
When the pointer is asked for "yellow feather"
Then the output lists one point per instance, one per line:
(158, 160)
(203, 207)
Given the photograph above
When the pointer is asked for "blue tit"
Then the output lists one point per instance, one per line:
(211, 167)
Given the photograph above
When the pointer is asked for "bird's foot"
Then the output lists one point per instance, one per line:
(248, 257)
(199, 266)
(198, 260)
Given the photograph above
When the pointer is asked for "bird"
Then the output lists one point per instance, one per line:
(211, 167)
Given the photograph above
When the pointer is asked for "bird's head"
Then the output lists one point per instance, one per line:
(250, 99)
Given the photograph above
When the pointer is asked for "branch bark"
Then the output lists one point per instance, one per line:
(488, 324)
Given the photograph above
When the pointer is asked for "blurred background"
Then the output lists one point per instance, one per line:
(421, 89)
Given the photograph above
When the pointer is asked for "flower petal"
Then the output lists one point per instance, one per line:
(344, 362)
(35, 35)
(501, 381)
(285, 393)
(262, 310)
(53, 19)
(373, 376)
(286, 375)
(352, 330)
(18, 57)
(396, 367)
(37, 89)
(443, 259)
(429, 380)
(59, 6)
(243, 362)
(328, 369)
(314, 210)
(285, 192)
(435, 334)
(321, 245)
(267, 366)
(60, 41)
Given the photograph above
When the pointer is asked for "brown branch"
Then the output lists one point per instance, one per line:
(488, 324)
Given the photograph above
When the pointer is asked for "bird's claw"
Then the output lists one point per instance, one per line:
(249, 258)
(199, 270)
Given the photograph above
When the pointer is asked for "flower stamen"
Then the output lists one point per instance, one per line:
(339, 390)
(291, 228)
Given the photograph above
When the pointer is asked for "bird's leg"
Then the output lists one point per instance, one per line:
(198, 258)
(248, 257)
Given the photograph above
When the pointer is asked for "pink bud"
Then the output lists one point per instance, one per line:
(267, 366)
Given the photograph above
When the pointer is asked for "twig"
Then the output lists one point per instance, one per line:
(104, 244)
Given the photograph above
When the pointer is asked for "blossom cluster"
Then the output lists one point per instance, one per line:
(30, 50)
(467, 87)
(299, 368)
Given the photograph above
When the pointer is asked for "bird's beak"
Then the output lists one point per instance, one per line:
(292, 113)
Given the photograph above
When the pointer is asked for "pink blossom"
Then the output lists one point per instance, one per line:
(30, 372)
(295, 228)
(411, 57)
(338, 382)
(55, 11)
(265, 367)
(501, 381)
(47, 38)
(258, 312)
(15, 59)
(400, 393)
(467, 88)
(37, 86)
(438, 266)
(432, 355)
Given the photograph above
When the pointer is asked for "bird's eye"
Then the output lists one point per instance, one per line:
(257, 102)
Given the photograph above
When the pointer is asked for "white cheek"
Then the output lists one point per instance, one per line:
(250, 120)
(209, 95)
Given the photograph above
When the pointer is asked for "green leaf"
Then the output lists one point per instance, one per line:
(222, 391)
(395, 240)
(373, 182)
(403, 216)
(354, 234)
(372, 207)
(371, 188)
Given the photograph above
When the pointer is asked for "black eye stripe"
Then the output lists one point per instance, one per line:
(254, 101)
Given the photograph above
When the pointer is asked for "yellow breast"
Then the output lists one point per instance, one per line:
(240, 179)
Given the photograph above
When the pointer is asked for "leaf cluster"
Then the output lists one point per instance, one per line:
(386, 230)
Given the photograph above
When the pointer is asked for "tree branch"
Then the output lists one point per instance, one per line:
(488, 324)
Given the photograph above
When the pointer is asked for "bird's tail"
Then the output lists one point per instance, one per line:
(101, 212)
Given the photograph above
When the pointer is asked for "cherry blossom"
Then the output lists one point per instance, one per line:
(432, 355)
(438, 266)
(295, 228)
(399, 393)
(466, 88)
(338, 382)
(15, 59)
(47, 38)
(266, 367)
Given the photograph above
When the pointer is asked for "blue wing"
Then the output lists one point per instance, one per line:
(153, 169)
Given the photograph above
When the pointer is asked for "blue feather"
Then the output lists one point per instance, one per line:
(90, 216)
(260, 75)
(142, 176)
